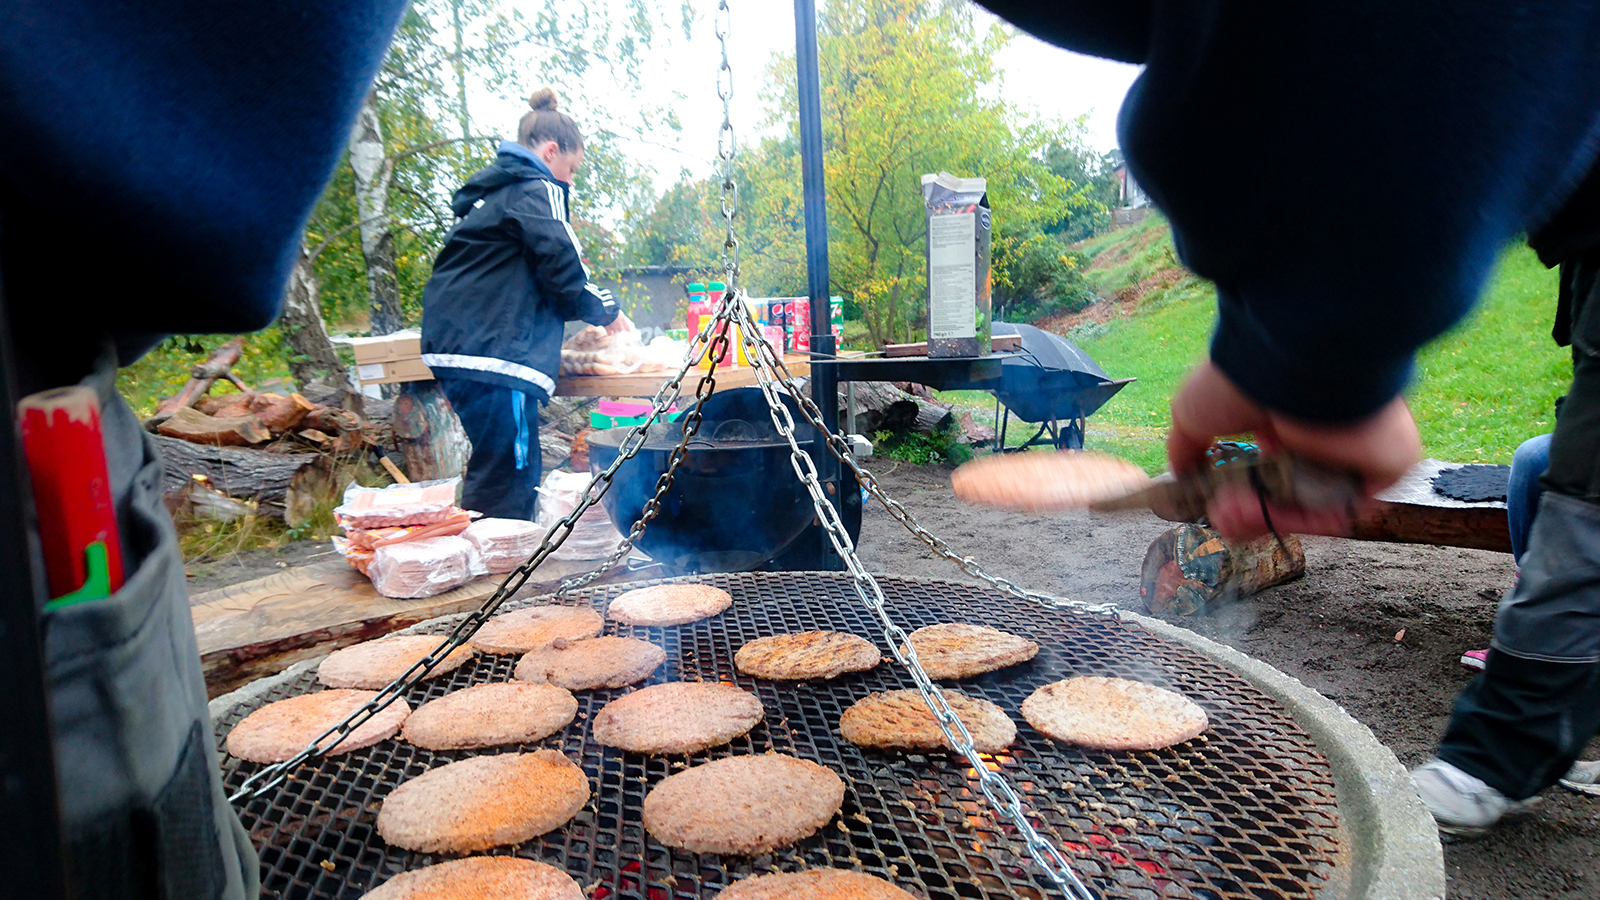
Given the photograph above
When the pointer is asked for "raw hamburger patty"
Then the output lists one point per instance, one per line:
(1045, 482)
(536, 628)
(676, 717)
(669, 604)
(743, 805)
(815, 884)
(602, 662)
(953, 650)
(483, 802)
(900, 720)
(278, 731)
(373, 664)
(479, 878)
(488, 715)
(808, 654)
(1113, 714)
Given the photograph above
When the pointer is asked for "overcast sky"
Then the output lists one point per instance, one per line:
(1038, 77)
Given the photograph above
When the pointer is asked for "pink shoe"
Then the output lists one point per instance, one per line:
(1476, 660)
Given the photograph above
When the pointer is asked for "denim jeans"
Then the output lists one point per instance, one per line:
(1528, 464)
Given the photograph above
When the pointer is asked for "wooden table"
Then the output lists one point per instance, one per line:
(646, 385)
(261, 627)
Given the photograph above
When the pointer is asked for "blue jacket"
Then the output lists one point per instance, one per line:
(510, 275)
(1345, 172)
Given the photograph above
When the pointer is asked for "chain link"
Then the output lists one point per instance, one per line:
(705, 343)
(996, 789)
(726, 150)
(713, 342)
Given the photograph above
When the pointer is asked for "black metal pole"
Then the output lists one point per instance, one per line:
(824, 380)
(30, 826)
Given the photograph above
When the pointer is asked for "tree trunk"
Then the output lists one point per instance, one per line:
(314, 359)
(286, 485)
(428, 432)
(373, 174)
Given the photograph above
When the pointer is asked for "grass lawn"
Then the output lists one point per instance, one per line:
(1479, 391)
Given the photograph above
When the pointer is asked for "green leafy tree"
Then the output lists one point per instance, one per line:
(903, 94)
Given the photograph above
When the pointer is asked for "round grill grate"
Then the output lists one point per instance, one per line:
(1245, 811)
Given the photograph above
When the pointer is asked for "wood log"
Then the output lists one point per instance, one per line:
(332, 420)
(201, 377)
(1478, 527)
(428, 432)
(884, 407)
(1190, 567)
(233, 431)
(285, 485)
(280, 413)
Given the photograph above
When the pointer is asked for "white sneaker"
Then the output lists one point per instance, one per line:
(1583, 777)
(1462, 804)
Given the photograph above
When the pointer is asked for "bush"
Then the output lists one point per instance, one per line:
(1036, 275)
(922, 449)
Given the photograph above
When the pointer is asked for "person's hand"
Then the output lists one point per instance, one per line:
(1378, 450)
(620, 324)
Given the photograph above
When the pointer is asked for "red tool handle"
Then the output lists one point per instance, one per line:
(65, 450)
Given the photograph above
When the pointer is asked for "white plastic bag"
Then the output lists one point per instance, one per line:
(425, 568)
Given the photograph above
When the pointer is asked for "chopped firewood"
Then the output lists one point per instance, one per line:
(201, 378)
(280, 413)
(332, 420)
(197, 427)
(314, 436)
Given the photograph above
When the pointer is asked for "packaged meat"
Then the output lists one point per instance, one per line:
(593, 536)
(357, 557)
(373, 538)
(503, 544)
(422, 503)
(423, 568)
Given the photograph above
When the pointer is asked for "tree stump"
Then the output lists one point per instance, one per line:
(1190, 567)
(428, 432)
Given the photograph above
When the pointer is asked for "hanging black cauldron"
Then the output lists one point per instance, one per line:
(735, 504)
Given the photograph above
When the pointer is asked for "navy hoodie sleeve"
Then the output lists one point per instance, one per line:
(179, 145)
(1346, 172)
(553, 254)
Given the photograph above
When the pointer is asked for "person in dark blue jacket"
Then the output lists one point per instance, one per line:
(1346, 173)
(510, 275)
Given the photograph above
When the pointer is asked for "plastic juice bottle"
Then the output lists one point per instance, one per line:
(697, 308)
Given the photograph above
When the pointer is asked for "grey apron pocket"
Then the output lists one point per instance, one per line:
(139, 801)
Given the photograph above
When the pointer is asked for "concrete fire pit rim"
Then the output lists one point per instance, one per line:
(1396, 853)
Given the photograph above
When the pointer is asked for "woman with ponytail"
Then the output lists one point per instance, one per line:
(510, 275)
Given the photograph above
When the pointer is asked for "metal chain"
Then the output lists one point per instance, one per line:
(1001, 796)
(726, 150)
(841, 450)
(704, 343)
(710, 341)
